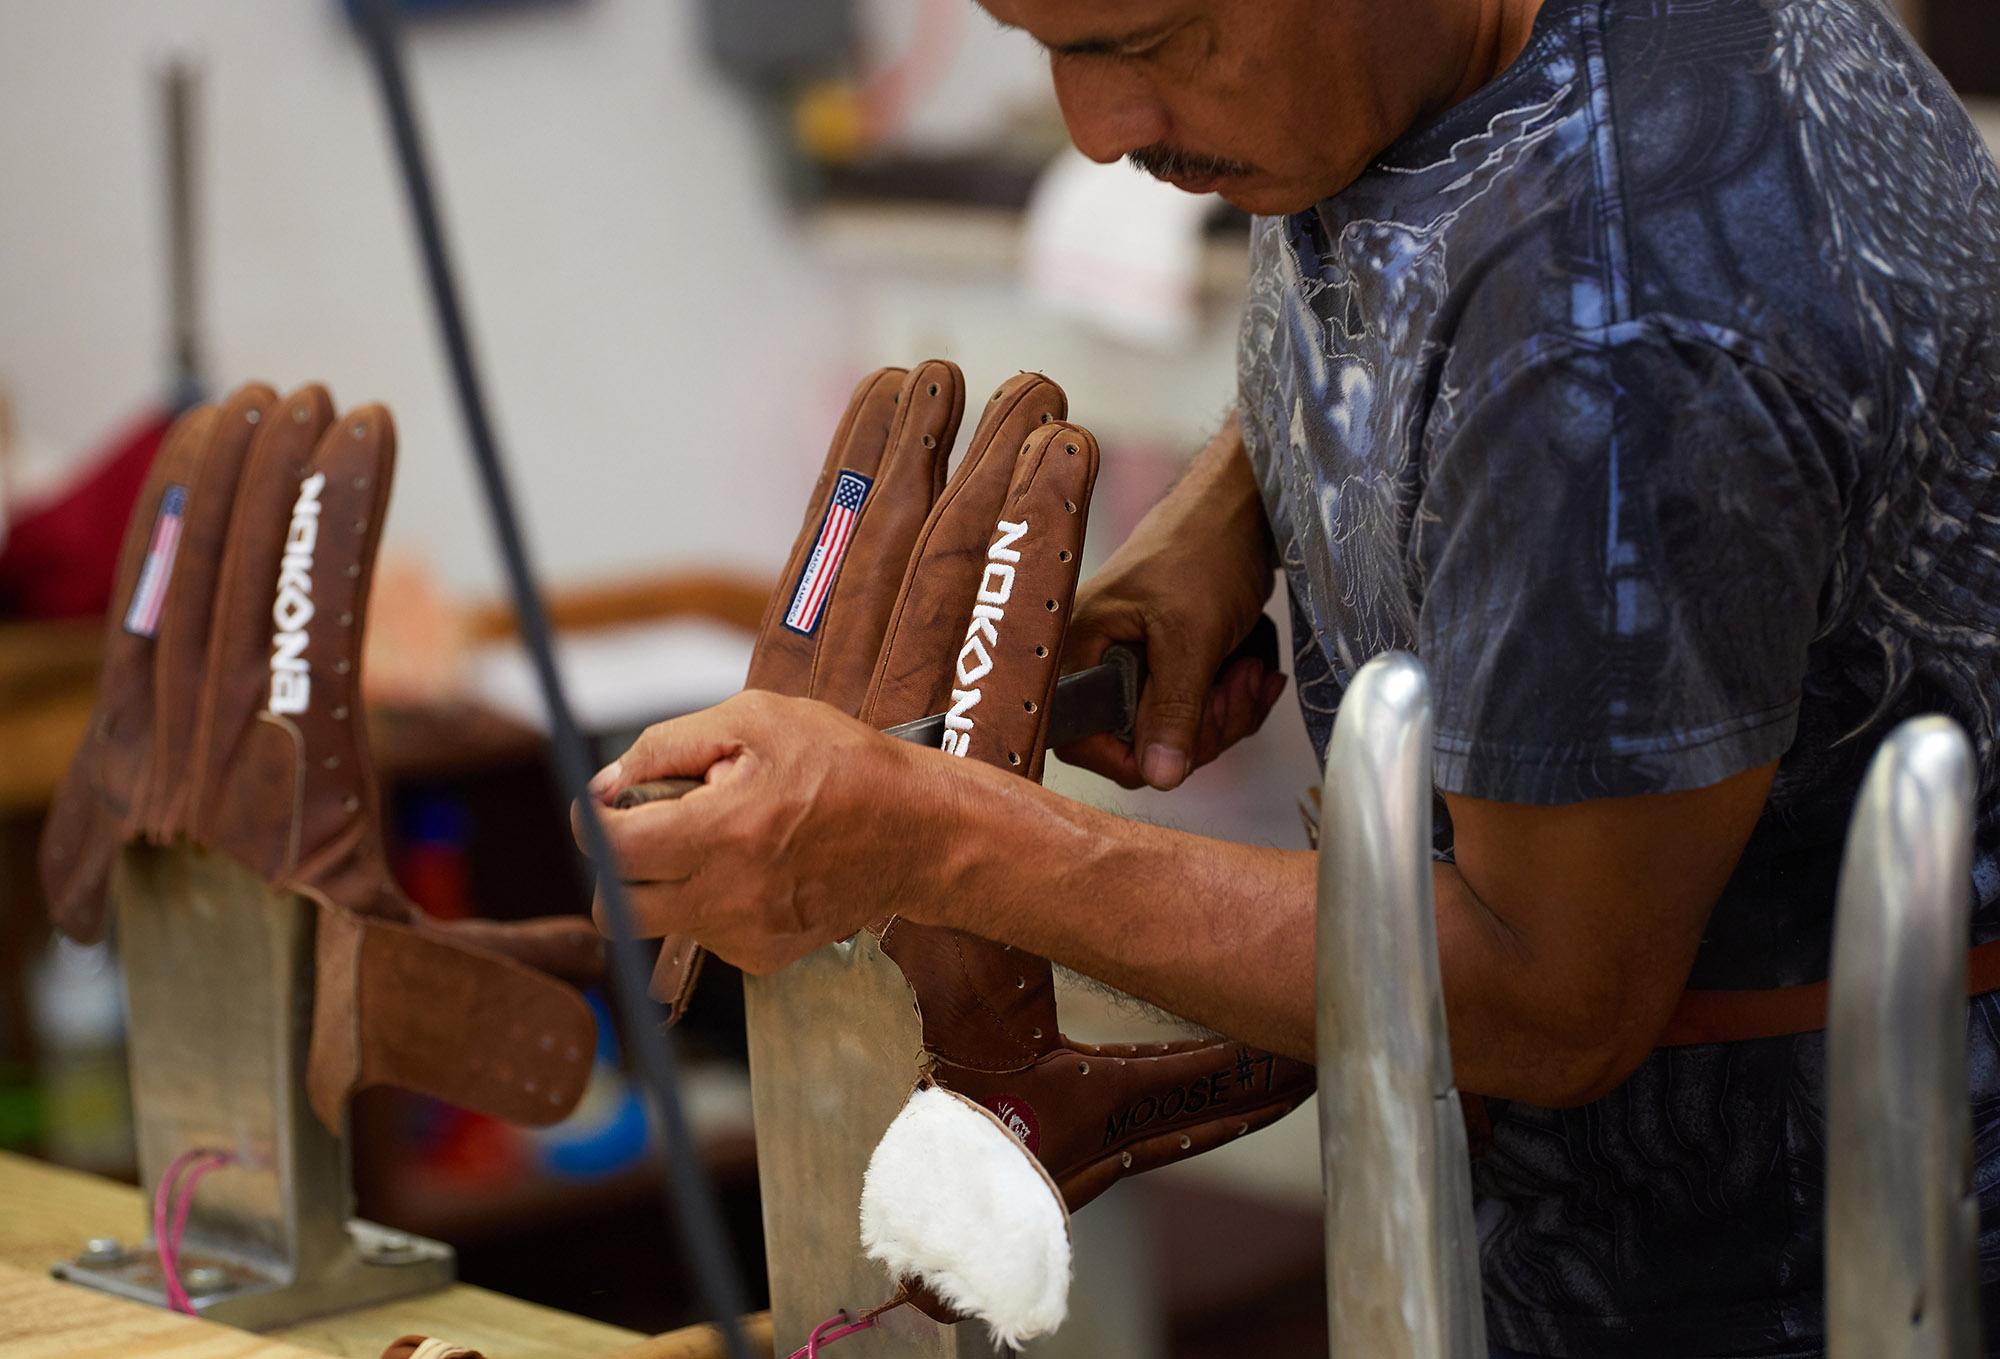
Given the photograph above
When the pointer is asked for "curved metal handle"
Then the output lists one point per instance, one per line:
(1402, 1253)
(1902, 1222)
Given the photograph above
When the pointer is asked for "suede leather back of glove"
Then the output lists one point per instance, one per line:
(232, 719)
(978, 633)
(824, 624)
(984, 575)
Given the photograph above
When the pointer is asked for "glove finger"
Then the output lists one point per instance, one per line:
(1003, 676)
(782, 659)
(93, 809)
(912, 675)
(856, 613)
(247, 773)
(824, 624)
(181, 655)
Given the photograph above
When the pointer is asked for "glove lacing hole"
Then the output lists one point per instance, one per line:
(1083, 1068)
(1013, 757)
(251, 417)
(1041, 651)
(358, 430)
(1186, 1142)
(1034, 1033)
(1050, 605)
(1024, 450)
(1063, 555)
(1046, 417)
(1069, 507)
(1020, 983)
(1069, 448)
(1030, 705)
(1125, 1159)
(929, 442)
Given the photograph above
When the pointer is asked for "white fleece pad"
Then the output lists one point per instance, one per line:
(952, 1199)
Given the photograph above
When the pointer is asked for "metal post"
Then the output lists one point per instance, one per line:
(218, 982)
(1902, 1221)
(1402, 1254)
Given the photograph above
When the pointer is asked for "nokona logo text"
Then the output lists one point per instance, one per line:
(982, 636)
(292, 610)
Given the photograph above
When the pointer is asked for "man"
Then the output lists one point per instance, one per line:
(1634, 363)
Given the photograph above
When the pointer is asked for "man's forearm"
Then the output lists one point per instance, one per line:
(1223, 933)
(1217, 932)
(1221, 480)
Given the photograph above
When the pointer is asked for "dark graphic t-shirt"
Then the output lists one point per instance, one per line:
(1652, 397)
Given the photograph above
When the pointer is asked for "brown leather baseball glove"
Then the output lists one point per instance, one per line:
(958, 601)
(228, 715)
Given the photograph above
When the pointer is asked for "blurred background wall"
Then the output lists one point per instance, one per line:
(682, 238)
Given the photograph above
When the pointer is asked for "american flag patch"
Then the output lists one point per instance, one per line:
(809, 600)
(149, 597)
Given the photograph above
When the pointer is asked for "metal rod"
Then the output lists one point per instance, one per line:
(1402, 1254)
(1902, 1220)
(180, 89)
(690, 1199)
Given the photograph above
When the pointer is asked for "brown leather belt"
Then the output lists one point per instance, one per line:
(1781, 1012)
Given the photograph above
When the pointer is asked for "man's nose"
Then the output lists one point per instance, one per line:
(1109, 111)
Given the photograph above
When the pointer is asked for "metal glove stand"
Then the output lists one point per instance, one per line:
(1402, 1254)
(1902, 1219)
(835, 1047)
(218, 982)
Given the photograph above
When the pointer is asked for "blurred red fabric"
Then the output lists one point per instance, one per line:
(60, 557)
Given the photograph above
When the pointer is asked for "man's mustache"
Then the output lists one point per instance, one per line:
(1167, 162)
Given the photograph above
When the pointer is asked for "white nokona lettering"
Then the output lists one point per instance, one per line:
(989, 593)
(973, 661)
(288, 649)
(959, 716)
(291, 612)
(1003, 546)
(290, 692)
(982, 634)
(984, 616)
(292, 607)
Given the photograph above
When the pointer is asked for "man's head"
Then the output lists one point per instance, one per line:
(1274, 104)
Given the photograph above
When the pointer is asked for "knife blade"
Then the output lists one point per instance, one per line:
(1097, 700)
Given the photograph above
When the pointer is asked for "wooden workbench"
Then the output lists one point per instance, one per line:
(47, 1213)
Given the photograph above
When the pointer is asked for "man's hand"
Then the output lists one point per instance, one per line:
(1188, 584)
(787, 845)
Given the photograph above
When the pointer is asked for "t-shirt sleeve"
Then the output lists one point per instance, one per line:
(1623, 545)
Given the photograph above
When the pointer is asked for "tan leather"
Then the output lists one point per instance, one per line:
(897, 432)
(245, 718)
(990, 1024)
(97, 806)
(982, 599)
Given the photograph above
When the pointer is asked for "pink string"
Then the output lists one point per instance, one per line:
(819, 1336)
(195, 1163)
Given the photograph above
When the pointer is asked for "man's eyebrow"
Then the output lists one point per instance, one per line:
(1106, 46)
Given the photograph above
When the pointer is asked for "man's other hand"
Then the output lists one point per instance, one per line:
(781, 850)
(1187, 585)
